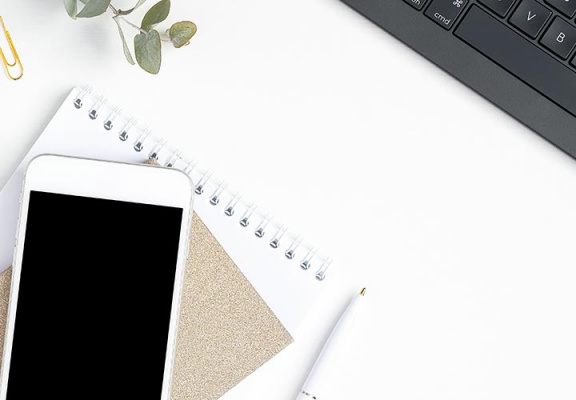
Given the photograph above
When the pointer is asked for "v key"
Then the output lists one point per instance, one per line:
(530, 17)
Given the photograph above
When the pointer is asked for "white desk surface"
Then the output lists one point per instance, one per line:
(460, 221)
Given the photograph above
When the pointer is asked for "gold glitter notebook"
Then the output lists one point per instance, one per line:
(216, 349)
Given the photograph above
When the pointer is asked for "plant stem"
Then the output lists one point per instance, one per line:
(115, 11)
(133, 26)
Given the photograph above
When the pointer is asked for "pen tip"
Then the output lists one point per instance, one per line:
(363, 292)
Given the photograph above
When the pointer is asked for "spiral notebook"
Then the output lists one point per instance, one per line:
(282, 270)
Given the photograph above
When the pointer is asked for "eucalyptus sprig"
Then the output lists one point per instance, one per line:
(147, 40)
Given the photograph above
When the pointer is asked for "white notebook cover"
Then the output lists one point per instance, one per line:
(288, 289)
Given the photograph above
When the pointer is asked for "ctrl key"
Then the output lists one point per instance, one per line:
(445, 12)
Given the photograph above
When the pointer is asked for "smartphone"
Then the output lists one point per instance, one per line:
(97, 278)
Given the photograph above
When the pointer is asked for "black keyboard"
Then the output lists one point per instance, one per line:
(519, 54)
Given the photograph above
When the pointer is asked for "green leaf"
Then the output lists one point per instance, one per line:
(158, 13)
(181, 33)
(127, 12)
(71, 7)
(148, 49)
(127, 52)
(93, 8)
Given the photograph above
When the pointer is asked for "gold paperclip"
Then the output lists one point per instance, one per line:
(17, 63)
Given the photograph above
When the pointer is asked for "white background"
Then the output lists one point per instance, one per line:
(459, 220)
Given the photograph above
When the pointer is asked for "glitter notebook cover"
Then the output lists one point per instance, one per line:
(216, 349)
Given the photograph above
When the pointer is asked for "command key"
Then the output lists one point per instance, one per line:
(445, 12)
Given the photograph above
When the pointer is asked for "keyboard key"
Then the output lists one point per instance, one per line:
(519, 57)
(500, 7)
(530, 17)
(560, 38)
(445, 12)
(566, 7)
(417, 4)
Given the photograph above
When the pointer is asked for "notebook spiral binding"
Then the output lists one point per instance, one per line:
(128, 129)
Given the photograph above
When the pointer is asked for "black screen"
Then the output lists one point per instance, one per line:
(95, 299)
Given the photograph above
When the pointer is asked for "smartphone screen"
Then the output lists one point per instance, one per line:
(95, 299)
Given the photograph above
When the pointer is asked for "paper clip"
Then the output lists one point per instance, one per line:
(17, 63)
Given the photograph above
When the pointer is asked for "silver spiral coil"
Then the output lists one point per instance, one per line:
(280, 238)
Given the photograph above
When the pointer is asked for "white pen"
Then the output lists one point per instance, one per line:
(316, 378)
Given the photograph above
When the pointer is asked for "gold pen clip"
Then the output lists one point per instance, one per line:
(17, 63)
